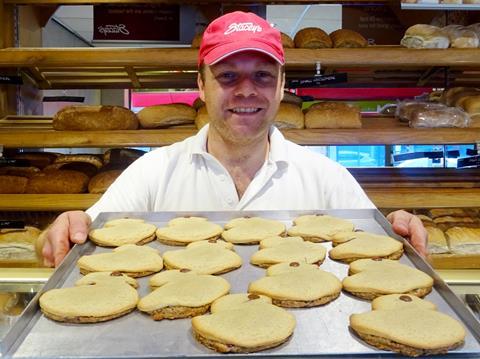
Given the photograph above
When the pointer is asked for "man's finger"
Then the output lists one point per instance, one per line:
(47, 254)
(78, 224)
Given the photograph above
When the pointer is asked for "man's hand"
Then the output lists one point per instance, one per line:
(72, 226)
(407, 225)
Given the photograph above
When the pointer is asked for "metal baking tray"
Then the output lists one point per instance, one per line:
(320, 331)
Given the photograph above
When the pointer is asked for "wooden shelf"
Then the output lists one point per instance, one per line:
(375, 131)
(214, 2)
(51, 68)
(383, 197)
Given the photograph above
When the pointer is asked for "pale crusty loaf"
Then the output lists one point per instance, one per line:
(422, 36)
(94, 118)
(101, 181)
(437, 242)
(18, 246)
(58, 181)
(348, 38)
(166, 115)
(312, 38)
(461, 37)
(464, 240)
(333, 115)
(289, 116)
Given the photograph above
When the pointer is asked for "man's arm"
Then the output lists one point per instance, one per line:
(408, 225)
(69, 227)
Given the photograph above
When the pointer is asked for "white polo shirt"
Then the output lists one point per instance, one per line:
(185, 177)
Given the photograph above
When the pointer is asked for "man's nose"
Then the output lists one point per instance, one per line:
(246, 87)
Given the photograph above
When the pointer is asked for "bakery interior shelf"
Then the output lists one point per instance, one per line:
(54, 68)
(387, 187)
(214, 2)
(25, 131)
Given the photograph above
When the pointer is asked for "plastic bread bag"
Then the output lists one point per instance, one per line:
(405, 109)
(446, 117)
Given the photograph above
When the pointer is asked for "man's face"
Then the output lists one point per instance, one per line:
(242, 94)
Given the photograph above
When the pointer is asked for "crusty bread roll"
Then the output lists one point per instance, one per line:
(461, 37)
(333, 115)
(58, 181)
(94, 118)
(36, 159)
(166, 115)
(202, 117)
(287, 41)
(347, 38)
(13, 184)
(312, 38)
(423, 36)
(289, 116)
(101, 181)
(475, 28)
(454, 96)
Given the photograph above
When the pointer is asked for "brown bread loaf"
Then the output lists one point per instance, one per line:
(166, 115)
(333, 115)
(287, 41)
(289, 116)
(312, 38)
(13, 184)
(101, 181)
(36, 159)
(348, 38)
(58, 181)
(19, 171)
(94, 118)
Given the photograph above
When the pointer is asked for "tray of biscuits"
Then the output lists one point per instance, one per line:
(261, 283)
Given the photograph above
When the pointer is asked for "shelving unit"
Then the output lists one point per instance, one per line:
(54, 68)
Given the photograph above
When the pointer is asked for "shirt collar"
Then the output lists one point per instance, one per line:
(278, 150)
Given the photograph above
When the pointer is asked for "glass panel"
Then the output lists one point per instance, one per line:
(353, 156)
(428, 155)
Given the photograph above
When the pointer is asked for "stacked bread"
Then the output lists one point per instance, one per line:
(54, 173)
(316, 38)
(423, 36)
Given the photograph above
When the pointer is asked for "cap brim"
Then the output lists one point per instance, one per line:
(221, 52)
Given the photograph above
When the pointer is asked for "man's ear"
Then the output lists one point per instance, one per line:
(283, 86)
(201, 87)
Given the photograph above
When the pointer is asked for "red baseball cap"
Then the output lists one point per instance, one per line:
(236, 32)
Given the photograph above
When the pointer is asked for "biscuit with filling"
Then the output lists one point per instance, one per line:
(318, 227)
(184, 230)
(251, 230)
(123, 231)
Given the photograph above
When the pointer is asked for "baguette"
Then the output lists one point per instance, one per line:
(94, 118)
(166, 115)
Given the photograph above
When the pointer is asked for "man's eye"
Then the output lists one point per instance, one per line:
(264, 77)
(226, 76)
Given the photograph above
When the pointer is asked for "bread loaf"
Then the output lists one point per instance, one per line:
(166, 115)
(18, 245)
(84, 167)
(202, 117)
(471, 104)
(289, 116)
(453, 96)
(423, 36)
(348, 38)
(121, 156)
(100, 182)
(287, 41)
(13, 184)
(58, 181)
(94, 118)
(312, 38)
(461, 37)
(448, 117)
(333, 115)
(475, 28)
(289, 97)
(405, 109)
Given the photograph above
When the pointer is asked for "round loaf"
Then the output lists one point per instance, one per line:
(58, 181)
(287, 41)
(312, 38)
(167, 115)
(289, 116)
(100, 182)
(348, 38)
(94, 118)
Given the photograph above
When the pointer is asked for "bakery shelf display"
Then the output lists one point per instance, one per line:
(53, 68)
(25, 131)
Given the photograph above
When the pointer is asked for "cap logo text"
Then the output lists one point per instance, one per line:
(243, 26)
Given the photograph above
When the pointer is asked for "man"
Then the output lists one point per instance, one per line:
(239, 161)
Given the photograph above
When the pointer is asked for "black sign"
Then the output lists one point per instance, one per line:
(12, 224)
(11, 80)
(63, 99)
(317, 81)
(473, 161)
